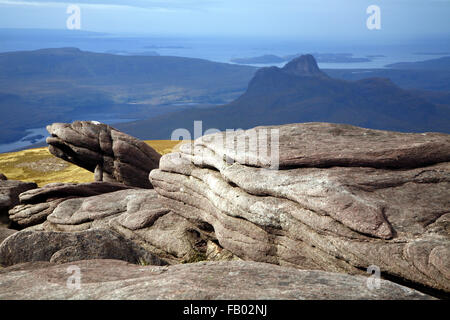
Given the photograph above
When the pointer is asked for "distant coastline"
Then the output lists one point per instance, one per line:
(320, 57)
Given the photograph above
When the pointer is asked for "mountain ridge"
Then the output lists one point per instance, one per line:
(275, 97)
(62, 84)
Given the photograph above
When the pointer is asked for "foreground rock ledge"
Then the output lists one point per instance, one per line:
(113, 279)
(345, 198)
(60, 247)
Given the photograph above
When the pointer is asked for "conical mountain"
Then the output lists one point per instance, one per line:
(301, 92)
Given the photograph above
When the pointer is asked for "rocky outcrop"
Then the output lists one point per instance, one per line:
(314, 196)
(142, 217)
(36, 204)
(112, 279)
(3, 177)
(9, 196)
(59, 247)
(112, 155)
(344, 198)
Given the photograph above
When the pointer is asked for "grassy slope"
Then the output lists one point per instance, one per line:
(38, 165)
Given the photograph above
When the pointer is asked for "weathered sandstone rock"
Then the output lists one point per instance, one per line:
(9, 196)
(112, 155)
(345, 198)
(142, 217)
(112, 279)
(327, 144)
(5, 233)
(36, 204)
(59, 247)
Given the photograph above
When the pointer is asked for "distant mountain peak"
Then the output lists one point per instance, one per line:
(305, 65)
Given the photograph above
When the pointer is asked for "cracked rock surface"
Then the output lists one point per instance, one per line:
(344, 198)
(141, 216)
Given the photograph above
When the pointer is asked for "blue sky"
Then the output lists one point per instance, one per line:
(333, 19)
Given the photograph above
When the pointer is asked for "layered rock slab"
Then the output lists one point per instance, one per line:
(318, 144)
(112, 155)
(35, 205)
(344, 198)
(140, 216)
(112, 279)
(9, 195)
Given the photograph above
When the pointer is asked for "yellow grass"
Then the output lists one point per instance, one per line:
(38, 165)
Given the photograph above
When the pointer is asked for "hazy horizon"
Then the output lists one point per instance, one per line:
(307, 19)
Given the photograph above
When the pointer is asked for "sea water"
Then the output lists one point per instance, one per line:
(43, 134)
(211, 48)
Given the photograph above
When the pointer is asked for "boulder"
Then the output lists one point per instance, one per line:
(231, 280)
(112, 155)
(5, 233)
(59, 247)
(320, 196)
(9, 196)
(3, 177)
(36, 204)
